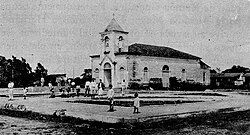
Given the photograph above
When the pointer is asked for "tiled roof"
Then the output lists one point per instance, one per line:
(225, 75)
(246, 75)
(113, 26)
(159, 51)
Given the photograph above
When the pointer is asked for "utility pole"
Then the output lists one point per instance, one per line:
(73, 72)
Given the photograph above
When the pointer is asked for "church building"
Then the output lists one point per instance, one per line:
(137, 62)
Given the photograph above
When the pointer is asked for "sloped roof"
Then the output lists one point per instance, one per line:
(159, 51)
(204, 65)
(246, 75)
(225, 75)
(114, 26)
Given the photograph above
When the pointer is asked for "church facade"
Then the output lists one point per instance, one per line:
(120, 61)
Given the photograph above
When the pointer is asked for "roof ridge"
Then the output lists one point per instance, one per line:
(164, 47)
(160, 51)
(113, 25)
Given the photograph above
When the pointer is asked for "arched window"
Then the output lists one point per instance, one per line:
(96, 70)
(120, 38)
(165, 76)
(165, 68)
(122, 68)
(122, 74)
(106, 40)
(96, 74)
(145, 74)
(120, 43)
(183, 75)
(107, 66)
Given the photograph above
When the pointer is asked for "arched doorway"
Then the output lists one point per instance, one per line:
(145, 74)
(122, 74)
(96, 74)
(165, 76)
(183, 75)
(107, 74)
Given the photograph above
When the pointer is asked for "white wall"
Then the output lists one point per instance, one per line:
(155, 65)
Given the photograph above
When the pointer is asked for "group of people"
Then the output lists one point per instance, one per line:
(110, 96)
(10, 90)
(93, 88)
(90, 88)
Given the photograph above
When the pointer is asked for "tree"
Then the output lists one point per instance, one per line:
(87, 75)
(19, 71)
(237, 69)
(14, 70)
(3, 73)
(40, 72)
(26, 73)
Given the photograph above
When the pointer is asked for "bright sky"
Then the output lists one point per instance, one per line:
(61, 34)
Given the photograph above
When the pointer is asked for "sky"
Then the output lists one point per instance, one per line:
(62, 34)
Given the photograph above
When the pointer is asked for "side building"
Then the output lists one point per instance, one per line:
(119, 61)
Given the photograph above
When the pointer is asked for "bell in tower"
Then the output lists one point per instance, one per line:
(120, 44)
(113, 38)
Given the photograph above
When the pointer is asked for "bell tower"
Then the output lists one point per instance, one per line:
(114, 38)
(113, 41)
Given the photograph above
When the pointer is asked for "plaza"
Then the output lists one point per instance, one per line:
(155, 105)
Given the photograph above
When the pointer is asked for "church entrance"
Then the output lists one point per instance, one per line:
(165, 76)
(107, 74)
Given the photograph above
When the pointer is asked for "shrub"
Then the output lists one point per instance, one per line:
(174, 83)
(195, 86)
(155, 83)
(134, 85)
(186, 85)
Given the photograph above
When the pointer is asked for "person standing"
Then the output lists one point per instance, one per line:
(67, 88)
(78, 88)
(100, 87)
(123, 87)
(73, 86)
(42, 82)
(93, 87)
(25, 90)
(52, 90)
(136, 103)
(11, 86)
(87, 89)
(110, 96)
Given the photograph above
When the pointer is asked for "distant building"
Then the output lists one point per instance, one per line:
(55, 79)
(230, 80)
(246, 77)
(140, 62)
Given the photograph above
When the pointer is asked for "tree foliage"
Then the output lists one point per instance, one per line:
(21, 72)
(86, 76)
(40, 72)
(237, 69)
(18, 71)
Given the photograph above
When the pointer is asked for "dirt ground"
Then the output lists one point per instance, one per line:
(22, 126)
(10, 125)
(236, 123)
(230, 124)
